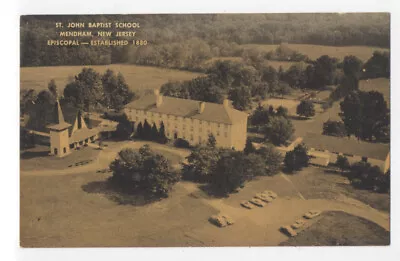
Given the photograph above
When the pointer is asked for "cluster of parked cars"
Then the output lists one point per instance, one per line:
(299, 224)
(260, 199)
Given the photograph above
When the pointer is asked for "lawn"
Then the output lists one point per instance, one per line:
(315, 51)
(78, 211)
(316, 183)
(341, 229)
(137, 77)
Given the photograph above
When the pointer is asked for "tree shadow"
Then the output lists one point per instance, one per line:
(34, 154)
(118, 195)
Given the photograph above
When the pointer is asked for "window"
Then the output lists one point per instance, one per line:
(55, 151)
(65, 150)
(191, 137)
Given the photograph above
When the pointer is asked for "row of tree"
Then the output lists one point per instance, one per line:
(226, 170)
(169, 35)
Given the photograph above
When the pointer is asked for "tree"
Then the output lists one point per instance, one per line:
(297, 158)
(283, 89)
(290, 161)
(282, 111)
(377, 66)
(139, 131)
(302, 158)
(162, 138)
(306, 109)
(27, 100)
(365, 114)
(259, 116)
(352, 67)
(124, 128)
(249, 148)
(241, 97)
(154, 134)
(143, 172)
(86, 90)
(146, 130)
(52, 87)
(232, 170)
(334, 128)
(200, 163)
(365, 176)
(116, 90)
(212, 142)
(295, 76)
(342, 162)
(324, 72)
(272, 159)
(278, 130)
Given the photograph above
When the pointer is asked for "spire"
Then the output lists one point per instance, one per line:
(59, 115)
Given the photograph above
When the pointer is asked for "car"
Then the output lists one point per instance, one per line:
(299, 224)
(288, 231)
(271, 194)
(221, 220)
(264, 197)
(257, 202)
(246, 204)
(312, 214)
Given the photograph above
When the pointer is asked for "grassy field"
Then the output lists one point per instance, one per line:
(315, 51)
(137, 77)
(341, 229)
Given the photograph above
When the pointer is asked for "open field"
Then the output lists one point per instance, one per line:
(276, 64)
(341, 229)
(137, 77)
(315, 51)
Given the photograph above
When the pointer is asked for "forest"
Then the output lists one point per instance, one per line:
(184, 41)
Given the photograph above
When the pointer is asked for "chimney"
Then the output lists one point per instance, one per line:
(159, 97)
(202, 105)
(226, 103)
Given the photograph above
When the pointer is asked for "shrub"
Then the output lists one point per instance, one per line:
(306, 109)
(334, 128)
(181, 143)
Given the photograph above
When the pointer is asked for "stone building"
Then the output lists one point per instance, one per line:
(191, 120)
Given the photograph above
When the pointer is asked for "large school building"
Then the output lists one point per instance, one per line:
(191, 120)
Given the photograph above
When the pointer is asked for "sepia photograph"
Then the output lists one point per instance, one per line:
(205, 130)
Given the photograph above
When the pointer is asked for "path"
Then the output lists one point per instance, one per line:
(105, 157)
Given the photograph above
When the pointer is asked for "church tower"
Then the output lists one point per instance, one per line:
(59, 136)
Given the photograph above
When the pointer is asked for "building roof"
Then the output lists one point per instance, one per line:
(189, 109)
(82, 134)
(347, 146)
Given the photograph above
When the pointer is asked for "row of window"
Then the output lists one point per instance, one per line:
(151, 121)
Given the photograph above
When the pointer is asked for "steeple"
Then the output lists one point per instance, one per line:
(59, 123)
(59, 113)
